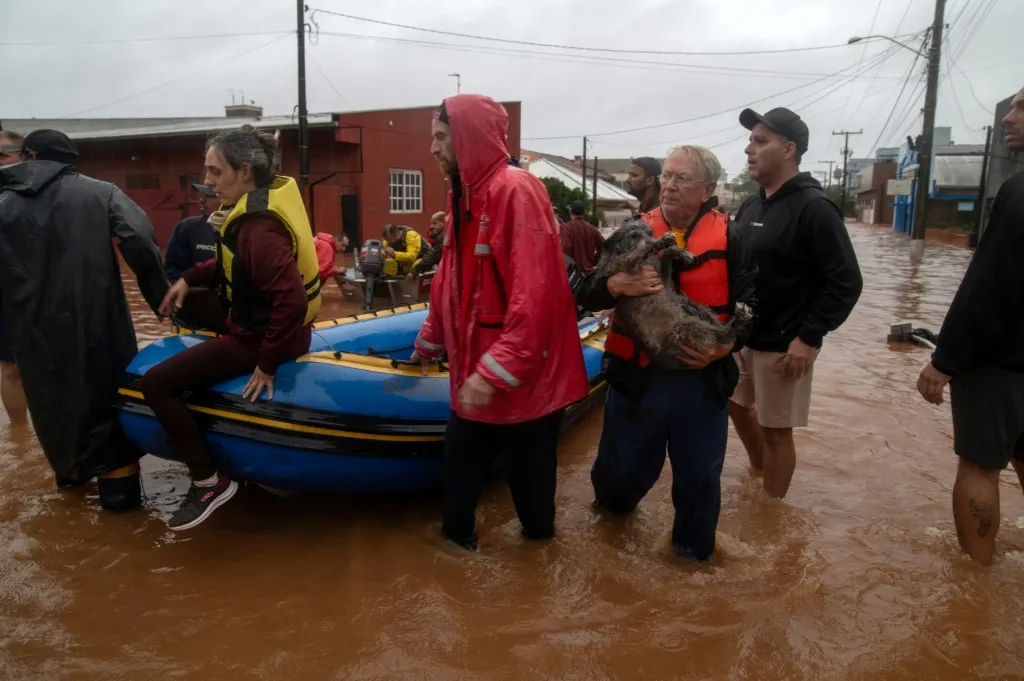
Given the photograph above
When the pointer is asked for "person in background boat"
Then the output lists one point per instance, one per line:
(402, 247)
(267, 270)
(644, 182)
(432, 257)
(502, 311)
(581, 241)
(980, 355)
(436, 228)
(12, 393)
(808, 284)
(647, 408)
(193, 240)
(327, 248)
(64, 307)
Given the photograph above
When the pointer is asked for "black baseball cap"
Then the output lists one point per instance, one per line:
(782, 121)
(50, 145)
(650, 166)
(203, 189)
(577, 208)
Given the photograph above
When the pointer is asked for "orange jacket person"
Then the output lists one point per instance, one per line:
(648, 408)
(502, 310)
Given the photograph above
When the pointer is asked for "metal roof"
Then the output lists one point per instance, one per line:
(606, 191)
(127, 128)
(957, 171)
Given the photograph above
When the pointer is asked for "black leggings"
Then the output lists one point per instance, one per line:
(531, 463)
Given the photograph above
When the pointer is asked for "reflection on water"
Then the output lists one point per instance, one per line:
(855, 576)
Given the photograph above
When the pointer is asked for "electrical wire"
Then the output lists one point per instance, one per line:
(863, 52)
(860, 103)
(645, 65)
(906, 81)
(149, 39)
(205, 70)
(730, 109)
(567, 47)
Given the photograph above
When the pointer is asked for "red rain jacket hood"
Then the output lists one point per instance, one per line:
(518, 329)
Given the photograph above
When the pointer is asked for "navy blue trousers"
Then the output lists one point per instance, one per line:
(678, 413)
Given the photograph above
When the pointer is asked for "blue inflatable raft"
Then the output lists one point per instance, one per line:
(349, 417)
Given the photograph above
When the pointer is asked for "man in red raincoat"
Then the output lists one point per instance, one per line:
(502, 311)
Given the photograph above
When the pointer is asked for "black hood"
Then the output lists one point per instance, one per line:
(31, 177)
(797, 183)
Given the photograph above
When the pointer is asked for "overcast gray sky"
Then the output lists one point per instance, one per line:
(563, 93)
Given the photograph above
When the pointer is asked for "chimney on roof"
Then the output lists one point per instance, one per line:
(243, 110)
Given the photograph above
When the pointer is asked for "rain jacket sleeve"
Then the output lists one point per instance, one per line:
(137, 242)
(430, 340)
(517, 357)
(413, 245)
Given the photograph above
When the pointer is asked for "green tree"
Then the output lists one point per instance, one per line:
(561, 195)
(743, 185)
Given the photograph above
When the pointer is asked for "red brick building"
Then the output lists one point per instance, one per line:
(874, 205)
(367, 168)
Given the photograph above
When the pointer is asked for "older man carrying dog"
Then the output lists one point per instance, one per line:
(649, 408)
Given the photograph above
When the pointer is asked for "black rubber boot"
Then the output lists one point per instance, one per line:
(123, 493)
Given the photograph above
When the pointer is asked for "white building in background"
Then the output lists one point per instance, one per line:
(616, 202)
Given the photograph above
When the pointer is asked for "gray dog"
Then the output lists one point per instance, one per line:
(662, 323)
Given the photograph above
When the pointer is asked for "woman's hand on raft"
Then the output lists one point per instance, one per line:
(475, 393)
(174, 299)
(257, 382)
(643, 283)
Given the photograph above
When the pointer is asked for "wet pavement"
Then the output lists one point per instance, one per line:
(856, 575)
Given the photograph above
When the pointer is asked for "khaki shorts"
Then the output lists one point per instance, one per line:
(781, 402)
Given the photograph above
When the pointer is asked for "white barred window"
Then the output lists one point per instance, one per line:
(406, 191)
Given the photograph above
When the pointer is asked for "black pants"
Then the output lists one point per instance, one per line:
(531, 463)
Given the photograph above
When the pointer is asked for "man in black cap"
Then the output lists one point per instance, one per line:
(808, 283)
(192, 241)
(62, 299)
(644, 182)
(581, 241)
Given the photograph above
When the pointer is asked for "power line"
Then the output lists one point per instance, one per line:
(910, 72)
(149, 39)
(690, 138)
(568, 47)
(695, 118)
(646, 65)
(860, 103)
(204, 70)
(864, 50)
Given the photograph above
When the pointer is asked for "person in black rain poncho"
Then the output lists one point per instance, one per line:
(64, 305)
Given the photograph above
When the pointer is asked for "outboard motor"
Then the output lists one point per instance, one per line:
(371, 264)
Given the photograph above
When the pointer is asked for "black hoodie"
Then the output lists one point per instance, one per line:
(985, 322)
(808, 278)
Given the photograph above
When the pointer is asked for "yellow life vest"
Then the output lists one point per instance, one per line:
(283, 199)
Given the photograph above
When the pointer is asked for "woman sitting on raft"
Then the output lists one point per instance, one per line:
(266, 268)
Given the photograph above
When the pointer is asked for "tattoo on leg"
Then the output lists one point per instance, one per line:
(982, 512)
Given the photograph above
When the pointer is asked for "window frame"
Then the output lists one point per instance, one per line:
(404, 203)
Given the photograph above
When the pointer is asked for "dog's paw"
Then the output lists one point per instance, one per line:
(743, 312)
(683, 256)
(666, 241)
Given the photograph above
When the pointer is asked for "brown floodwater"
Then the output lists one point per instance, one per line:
(856, 575)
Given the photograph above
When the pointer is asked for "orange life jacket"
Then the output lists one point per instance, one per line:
(707, 282)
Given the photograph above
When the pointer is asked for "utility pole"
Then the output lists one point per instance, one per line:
(829, 178)
(972, 241)
(846, 156)
(593, 210)
(458, 82)
(925, 148)
(583, 172)
(300, 31)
